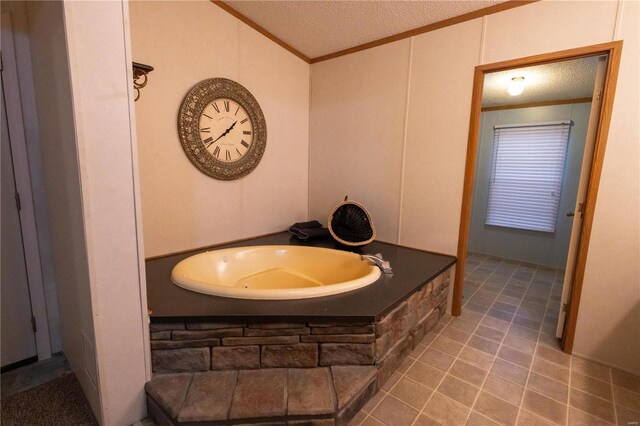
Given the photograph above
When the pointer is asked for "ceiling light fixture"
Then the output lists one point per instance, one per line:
(516, 86)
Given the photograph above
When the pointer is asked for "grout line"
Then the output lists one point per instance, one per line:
(569, 391)
(613, 397)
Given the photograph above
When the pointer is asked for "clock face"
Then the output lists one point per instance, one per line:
(222, 129)
(226, 130)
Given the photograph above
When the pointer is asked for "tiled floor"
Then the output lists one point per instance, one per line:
(499, 362)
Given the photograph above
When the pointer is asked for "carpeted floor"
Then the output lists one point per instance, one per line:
(58, 402)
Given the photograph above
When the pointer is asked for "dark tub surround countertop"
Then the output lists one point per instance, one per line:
(411, 269)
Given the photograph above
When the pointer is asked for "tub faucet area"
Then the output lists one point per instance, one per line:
(377, 260)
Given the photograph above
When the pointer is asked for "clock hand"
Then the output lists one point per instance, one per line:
(226, 132)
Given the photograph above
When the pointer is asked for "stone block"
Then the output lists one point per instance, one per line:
(344, 329)
(347, 413)
(157, 415)
(312, 422)
(266, 340)
(259, 393)
(212, 325)
(176, 344)
(402, 326)
(165, 326)
(436, 284)
(276, 325)
(161, 335)
(339, 338)
(424, 326)
(180, 360)
(349, 381)
(302, 355)
(393, 359)
(383, 345)
(416, 297)
(336, 324)
(424, 307)
(169, 391)
(206, 334)
(310, 392)
(209, 397)
(255, 332)
(387, 322)
(235, 357)
(346, 353)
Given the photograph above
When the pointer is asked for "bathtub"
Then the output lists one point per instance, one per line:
(274, 272)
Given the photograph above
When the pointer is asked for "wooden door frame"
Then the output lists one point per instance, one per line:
(614, 51)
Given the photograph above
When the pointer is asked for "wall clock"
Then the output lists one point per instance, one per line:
(222, 129)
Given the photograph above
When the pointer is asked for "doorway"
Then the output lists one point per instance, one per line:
(494, 225)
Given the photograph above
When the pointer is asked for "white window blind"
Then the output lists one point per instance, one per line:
(526, 177)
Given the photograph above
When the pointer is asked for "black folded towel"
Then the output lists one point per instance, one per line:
(309, 230)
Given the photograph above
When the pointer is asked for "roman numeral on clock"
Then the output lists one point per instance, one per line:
(215, 107)
(216, 152)
(205, 130)
(228, 155)
(244, 121)
(208, 140)
(239, 153)
(246, 132)
(226, 106)
(246, 145)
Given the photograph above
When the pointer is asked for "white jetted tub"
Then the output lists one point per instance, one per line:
(274, 272)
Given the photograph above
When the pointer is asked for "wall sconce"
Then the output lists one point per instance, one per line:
(516, 86)
(140, 72)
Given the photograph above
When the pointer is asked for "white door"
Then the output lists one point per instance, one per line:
(17, 339)
(582, 194)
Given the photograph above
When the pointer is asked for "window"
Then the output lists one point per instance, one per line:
(526, 175)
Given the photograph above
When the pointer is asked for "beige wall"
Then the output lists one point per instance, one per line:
(440, 65)
(182, 208)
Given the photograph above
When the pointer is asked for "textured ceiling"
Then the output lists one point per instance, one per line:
(317, 28)
(551, 82)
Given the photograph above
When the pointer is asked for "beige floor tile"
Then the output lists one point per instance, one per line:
(468, 315)
(548, 387)
(626, 416)
(627, 398)
(475, 357)
(405, 365)
(438, 328)
(417, 351)
(523, 345)
(411, 393)
(590, 369)
(580, 418)
(437, 359)
(523, 333)
(375, 400)
(467, 372)
(509, 300)
(545, 407)
(489, 333)
(592, 405)
(455, 334)
(591, 385)
(458, 390)
(484, 345)
(463, 325)
(503, 388)
(554, 355)
(370, 421)
(510, 371)
(515, 356)
(423, 420)
(445, 411)
(626, 380)
(549, 340)
(428, 338)
(447, 346)
(496, 323)
(526, 418)
(395, 376)
(425, 374)
(477, 419)
(496, 409)
(549, 369)
(358, 418)
(393, 412)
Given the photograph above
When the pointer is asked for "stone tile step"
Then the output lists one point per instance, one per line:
(321, 396)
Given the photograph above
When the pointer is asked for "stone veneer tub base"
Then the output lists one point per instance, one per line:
(270, 363)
